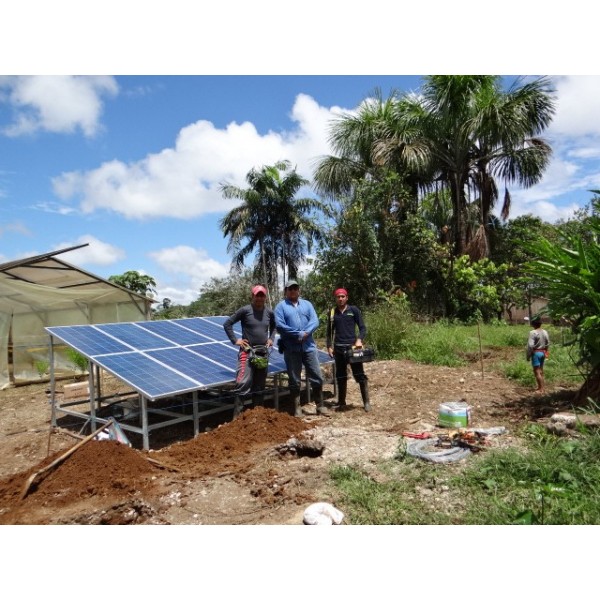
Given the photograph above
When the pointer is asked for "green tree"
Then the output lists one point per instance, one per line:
(271, 222)
(355, 139)
(477, 133)
(477, 289)
(569, 274)
(135, 281)
(375, 249)
(460, 133)
(509, 246)
(223, 296)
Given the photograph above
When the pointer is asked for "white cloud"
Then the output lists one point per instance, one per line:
(574, 135)
(190, 268)
(183, 181)
(96, 253)
(55, 207)
(58, 104)
(578, 110)
(16, 227)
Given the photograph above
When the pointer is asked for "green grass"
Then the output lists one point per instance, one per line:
(394, 335)
(559, 368)
(550, 481)
(394, 502)
(553, 481)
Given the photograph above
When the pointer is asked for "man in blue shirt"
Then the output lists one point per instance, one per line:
(296, 321)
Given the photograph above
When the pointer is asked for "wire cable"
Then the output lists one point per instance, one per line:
(419, 449)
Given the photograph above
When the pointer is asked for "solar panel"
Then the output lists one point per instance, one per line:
(164, 358)
(135, 336)
(146, 375)
(88, 340)
(208, 327)
(197, 367)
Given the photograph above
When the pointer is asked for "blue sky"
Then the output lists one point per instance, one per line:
(128, 156)
(132, 164)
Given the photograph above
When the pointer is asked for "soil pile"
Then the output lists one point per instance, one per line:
(231, 447)
(109, 469)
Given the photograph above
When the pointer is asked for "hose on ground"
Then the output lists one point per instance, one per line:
(425, 449)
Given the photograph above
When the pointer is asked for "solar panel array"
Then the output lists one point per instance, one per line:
(164, 358)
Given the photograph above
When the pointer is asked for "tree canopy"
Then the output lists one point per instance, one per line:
(271, 222)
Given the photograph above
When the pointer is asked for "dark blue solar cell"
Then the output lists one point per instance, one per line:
(198, 367)
(87, 340)
(276, 362)
(173, 332)
(135, 336)
(149, 377)
(224, 353)
(218, 323)
(213, 331)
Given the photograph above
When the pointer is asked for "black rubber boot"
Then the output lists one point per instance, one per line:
(364, 392)
(295, 398)
(342, 388)
(321, 408)
(259, 399)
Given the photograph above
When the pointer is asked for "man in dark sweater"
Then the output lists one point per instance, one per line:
(342, 325)
(258, 333)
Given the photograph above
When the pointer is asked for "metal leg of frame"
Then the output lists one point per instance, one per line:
(52, 385)
(195, 412)
(93, 396)
(144, 415)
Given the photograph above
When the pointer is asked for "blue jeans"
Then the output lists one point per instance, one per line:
(294, 362)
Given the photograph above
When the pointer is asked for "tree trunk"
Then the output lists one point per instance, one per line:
(457, 193)
(589, 393)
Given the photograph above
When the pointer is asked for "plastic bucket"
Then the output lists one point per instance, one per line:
(454, 414)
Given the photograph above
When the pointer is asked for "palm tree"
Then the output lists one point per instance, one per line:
(462, 132)
(477, 132)
(271, 222)
(355, 138)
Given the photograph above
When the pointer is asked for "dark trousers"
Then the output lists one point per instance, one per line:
(341, 365)
(249, 379)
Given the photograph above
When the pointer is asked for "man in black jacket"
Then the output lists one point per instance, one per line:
(342, 325)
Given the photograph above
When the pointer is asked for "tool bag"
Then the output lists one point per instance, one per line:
(359, 355)
(259, 357)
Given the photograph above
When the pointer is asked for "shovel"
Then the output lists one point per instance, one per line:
(62, 457)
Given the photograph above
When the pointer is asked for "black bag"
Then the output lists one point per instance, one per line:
(359, 355)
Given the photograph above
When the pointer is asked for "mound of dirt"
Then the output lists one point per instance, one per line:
(109, 469)
(232, 445)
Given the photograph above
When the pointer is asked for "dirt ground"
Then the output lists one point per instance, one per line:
(265, 467)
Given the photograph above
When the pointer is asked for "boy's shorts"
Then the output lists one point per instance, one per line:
(537, 359)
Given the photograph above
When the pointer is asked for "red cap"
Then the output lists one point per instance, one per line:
(257, 289)
(340, 291)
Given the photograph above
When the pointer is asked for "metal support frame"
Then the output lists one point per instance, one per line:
(201, 407)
